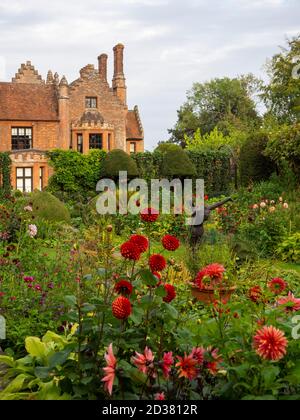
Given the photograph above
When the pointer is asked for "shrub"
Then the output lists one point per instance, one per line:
(75, 173)
(176, 164)
(284, 146)
(254, 165)
(116, 161)
(49, 208)
(214, 167)
(289, 249)
(166, 147)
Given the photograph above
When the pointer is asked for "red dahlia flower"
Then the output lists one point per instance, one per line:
(124, 287)
(157, 262)
(171, 293)
(214, 272)
(198, 354)
(214, 364)
(270, 343)
(170, 243)
(149, 215)
(290, 303)
(109, 370)
(255, 294)
(144, 362)
(187, 367)
(277, 285)
(130, 251)
(140, 241)
(167, 363)
(160, 396)
(121, 308)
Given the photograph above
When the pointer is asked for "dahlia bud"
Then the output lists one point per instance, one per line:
(109, 228)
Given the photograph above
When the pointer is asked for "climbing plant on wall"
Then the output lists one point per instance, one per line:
(5, 167)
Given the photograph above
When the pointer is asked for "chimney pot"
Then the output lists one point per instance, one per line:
(102, 60)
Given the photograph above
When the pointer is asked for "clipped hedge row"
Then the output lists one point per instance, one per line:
(76, 173)
(212, 166)
(5, 167)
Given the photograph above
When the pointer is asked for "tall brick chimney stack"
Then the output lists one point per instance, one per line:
(102, 60)
(64, 114)
(119, 81)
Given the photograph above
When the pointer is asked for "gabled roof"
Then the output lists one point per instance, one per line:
(134, 129)
(28, 102)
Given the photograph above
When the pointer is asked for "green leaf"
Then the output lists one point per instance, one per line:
(35, 347)
(42, 372)
(161, 291)
(270, 374)
(137, 315)
(59, 358)
(170, 311)
(148, 278)
(17, 384)
(71, 300)
(9, 361)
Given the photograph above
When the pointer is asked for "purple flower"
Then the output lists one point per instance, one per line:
(29, 279)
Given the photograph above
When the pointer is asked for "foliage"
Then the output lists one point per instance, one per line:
(176, 164)
(284, 146)
(116, 161)
(214, 167)
(254, 165)
(5, 168)
(49, 208)
(282, 94)
(74, 172)
(166, 147)
(289, 249)
(219, 103)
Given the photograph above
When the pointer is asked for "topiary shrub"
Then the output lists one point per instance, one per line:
(176, 164)
(49, 208)
(166, 147)
(254, 165)
(116, 161)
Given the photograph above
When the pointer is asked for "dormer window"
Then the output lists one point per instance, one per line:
(91, 102)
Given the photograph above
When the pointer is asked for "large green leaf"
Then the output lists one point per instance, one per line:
(35, 347)
(17, 384)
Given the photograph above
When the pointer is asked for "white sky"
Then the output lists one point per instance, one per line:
(169, 43)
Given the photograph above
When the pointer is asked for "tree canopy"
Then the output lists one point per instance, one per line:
(220, 103)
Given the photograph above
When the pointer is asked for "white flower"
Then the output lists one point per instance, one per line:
(285, 205)
(32, 231)
(28, 208)
(272, 209)
(280, 199)
(263, 205)
(272, 202)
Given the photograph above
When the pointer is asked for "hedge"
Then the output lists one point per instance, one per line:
(78, 174)
(75, 173)
(5, 167)
(212, 166)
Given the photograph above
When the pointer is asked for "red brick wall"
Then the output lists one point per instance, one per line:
(109, 106)
(45, 134)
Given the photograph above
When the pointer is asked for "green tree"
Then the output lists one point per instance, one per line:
(220, 103)
(282, 94)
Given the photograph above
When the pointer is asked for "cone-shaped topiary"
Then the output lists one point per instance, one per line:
(49, 208)
(116, 161)
(176, 164)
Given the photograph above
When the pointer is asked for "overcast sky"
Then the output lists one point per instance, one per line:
(169, 43)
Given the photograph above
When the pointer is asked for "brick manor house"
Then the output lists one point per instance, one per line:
(38, 115)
